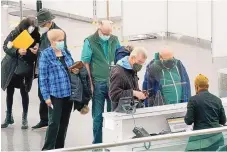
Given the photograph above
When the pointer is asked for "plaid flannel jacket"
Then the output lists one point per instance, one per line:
(53, 77)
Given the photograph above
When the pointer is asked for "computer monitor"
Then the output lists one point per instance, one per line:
(178, 125)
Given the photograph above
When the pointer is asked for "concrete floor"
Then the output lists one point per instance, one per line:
(196, 60)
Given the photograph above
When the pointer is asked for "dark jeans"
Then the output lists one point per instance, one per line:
(98, 101)
(43, 109)
(58, 123)
(9, 98)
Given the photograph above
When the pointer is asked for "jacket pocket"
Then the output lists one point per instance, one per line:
(76, 88)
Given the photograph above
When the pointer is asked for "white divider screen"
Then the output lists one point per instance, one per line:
(77, 7)
(219, 28)
(114, 8)
(204, 19)
(182, 17)
(143, 16)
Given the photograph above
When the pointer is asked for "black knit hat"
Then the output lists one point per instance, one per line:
(44, 16)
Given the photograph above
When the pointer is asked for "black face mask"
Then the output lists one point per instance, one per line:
(168, 63)
(137, 67)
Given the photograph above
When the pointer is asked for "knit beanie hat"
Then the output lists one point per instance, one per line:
(201, 81)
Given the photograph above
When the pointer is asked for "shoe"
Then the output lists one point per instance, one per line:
(24, 121)
(40, 125)
(8, 120)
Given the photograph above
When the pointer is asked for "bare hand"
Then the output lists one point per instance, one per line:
(36, 46)
(92, 89)
(75, 71)
(48, 102)
(22, 51)
(9, 45)
(34, 50)
(140, 95)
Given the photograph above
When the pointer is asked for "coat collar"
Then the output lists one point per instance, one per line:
(98, 40)
(54, 58)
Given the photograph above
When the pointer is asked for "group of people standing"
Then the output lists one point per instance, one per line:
(50, 60)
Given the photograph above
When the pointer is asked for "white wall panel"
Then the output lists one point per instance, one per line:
(114, 8)
(142, 17)
(29, 4)
(182, 17)
(204, 19)
(77, 7)
(219, 29)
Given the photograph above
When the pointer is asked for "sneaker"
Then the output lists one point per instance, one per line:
(40, 125)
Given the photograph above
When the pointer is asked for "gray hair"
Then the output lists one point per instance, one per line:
(139, 50)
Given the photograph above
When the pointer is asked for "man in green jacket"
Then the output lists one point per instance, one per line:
(206, 111)
(98, 55)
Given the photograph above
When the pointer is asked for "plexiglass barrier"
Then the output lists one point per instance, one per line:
(214, 139)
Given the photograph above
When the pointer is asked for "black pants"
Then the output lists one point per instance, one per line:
(43, 109)
(10, 92)
(58, 123)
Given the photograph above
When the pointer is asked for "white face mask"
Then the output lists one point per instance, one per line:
(43, 29)
(31, 29)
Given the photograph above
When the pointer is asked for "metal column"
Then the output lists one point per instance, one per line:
(107, 9)
(38, 5)
(167, 19)
(95, 11)
(212, 30)
(122, 20)
(21, 10)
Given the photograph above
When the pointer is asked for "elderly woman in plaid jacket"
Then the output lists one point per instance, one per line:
(55, 88)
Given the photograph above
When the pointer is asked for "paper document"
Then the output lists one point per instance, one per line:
(23, 41)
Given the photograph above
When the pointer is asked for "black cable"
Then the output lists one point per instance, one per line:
(147, 147)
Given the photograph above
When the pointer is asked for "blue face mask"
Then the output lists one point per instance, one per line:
(60, 45)
(105, 37)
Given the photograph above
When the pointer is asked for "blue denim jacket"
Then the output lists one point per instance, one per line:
(53, 77)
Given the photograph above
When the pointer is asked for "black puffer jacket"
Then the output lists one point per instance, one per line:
(81, 88)
(9, 62)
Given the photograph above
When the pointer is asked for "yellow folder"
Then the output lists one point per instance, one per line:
(23, 40)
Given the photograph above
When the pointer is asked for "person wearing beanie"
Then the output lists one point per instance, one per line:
(206, 111)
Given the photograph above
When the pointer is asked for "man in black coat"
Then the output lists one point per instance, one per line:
(206, 111)
(45, 22)
(123, 77)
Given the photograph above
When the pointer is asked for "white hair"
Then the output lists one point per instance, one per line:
(139, 50)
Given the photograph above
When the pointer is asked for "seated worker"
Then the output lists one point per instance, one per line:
(206, 111)
(166, 80)
(123, 77)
